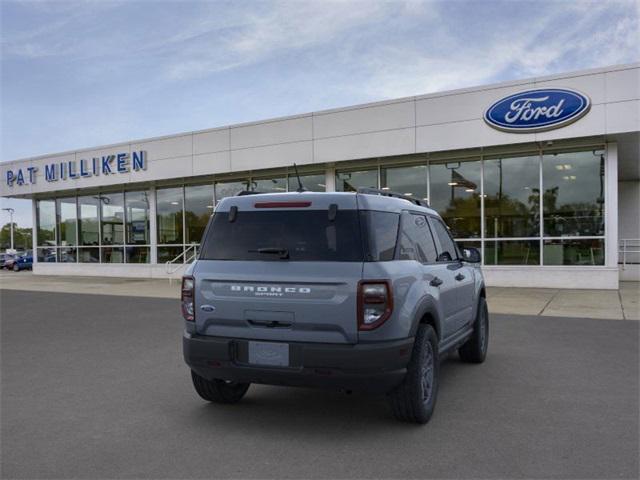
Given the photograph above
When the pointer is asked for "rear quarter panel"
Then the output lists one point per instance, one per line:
(411, 297)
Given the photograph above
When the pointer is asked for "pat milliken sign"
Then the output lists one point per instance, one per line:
(117, 163)
(537, 110)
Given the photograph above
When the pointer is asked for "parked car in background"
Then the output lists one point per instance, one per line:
(23, 262)
(7, 261)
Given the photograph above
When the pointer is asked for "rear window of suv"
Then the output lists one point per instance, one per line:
(290, 235)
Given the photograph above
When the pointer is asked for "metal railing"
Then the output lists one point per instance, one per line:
(627, 249)
(187, 256)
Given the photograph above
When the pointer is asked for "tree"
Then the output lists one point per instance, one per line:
(21, 237)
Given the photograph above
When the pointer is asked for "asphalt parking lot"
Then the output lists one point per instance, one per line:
(95, 387)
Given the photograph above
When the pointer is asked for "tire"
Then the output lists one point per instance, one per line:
(415, 398)
(475, 349)
(219, 391)
(16, 268)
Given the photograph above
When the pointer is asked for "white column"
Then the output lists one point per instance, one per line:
(330, 178)
(34, 231)
(153, 234)
(611, 205)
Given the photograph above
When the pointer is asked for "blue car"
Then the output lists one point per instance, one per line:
(23, 262)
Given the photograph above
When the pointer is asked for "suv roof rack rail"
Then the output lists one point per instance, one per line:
(243, 193)
(389, 193)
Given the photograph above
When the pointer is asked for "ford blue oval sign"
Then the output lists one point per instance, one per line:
(537, 110)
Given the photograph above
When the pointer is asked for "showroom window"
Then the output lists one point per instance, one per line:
(511, 252)
(112, 227)
(311, 182)
(563, 226)
(170, 223)
(512, 197)
(507, 189)
(455, 195)
(137, 237)
(270, 185)
(198, 207)
(46, 230)
(573, 207)
(573, 195)
(412, 181)
(46, 222)
(67, 223)
(351, 181)
(106, 228)
(229, 189)
(574, 251)
(88, 229)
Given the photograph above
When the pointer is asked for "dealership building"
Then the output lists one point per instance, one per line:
(541, 174)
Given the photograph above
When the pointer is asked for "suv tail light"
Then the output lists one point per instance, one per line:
(375, 303)
(186, 298)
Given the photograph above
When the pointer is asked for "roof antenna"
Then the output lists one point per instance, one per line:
(300, 186)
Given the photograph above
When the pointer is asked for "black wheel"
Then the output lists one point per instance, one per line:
(415, 398)
(16, 268)
(475, 349)
(219, 391)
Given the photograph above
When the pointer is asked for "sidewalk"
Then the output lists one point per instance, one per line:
(623, 304)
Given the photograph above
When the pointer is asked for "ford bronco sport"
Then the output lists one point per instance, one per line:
(353, 291)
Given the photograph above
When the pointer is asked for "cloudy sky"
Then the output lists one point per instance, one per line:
(80, 74)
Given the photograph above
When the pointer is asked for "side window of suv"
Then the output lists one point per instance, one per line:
(448, 251)
(416, 242)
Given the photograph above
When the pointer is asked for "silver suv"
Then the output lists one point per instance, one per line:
(353, 291)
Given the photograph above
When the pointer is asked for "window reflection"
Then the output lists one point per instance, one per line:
(512, 252)
(229, 189)
(351, 181)
(169, 207)
(455, 195)
(88, 220)
(573, 198)
(311, 183)
(270, 185)
(512, 197)
(166, 254)
(137, 218)
(89, 255)
(67, 255)
(197, 210)
(67, 213)
(411, 181)
(46, 218)
(112, 225)
(47, 255)
(137, 254)
(112, 255)
(574, 252)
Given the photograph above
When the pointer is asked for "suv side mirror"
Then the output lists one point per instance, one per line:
(471, 255)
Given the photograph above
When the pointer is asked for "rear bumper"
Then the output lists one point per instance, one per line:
(373, 367)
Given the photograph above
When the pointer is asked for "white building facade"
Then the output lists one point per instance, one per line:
(542, 175)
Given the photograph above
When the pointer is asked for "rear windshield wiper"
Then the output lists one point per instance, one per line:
(283, 252)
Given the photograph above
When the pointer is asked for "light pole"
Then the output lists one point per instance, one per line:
(11, 212)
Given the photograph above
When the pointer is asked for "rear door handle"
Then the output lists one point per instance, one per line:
(436, 282)
(459, 277)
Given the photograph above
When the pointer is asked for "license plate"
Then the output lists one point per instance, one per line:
(268, 353)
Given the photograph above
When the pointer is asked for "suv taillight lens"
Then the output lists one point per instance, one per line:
(375, 303)
(186, 299)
